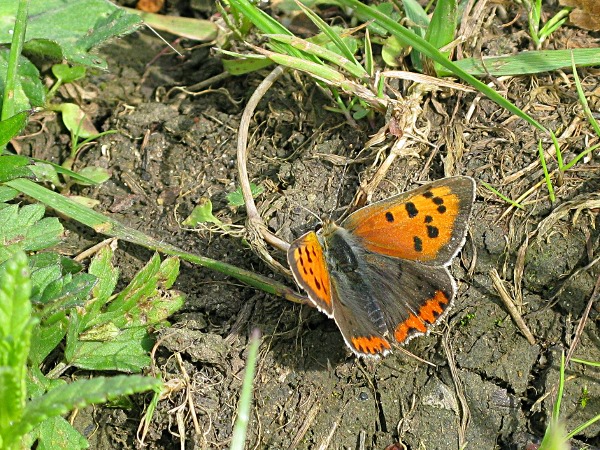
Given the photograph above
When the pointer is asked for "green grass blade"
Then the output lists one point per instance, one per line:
(503, 197)
(546, 174)
(330, 33)
(350, 66)
(588, 114)
(243, 413)
(529, 62)
(583, 426)
(110, 227)
(316, 70)
(442, 27)
(369, 61)
(266, 24)
(426, 48)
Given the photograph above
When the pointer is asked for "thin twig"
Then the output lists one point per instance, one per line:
(510, 306)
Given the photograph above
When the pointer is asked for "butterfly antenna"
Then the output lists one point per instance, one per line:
(312, 213)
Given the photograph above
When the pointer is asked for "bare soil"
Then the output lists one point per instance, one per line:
(489, 384)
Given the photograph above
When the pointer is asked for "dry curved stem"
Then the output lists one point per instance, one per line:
(258, 232)
(465, 412)
(510, 306)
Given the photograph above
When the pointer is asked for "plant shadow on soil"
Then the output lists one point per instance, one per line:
(309, 390)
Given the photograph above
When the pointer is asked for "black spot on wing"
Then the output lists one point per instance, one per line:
(432, 231)
(389, 217)
(418, 244)
(411, 209)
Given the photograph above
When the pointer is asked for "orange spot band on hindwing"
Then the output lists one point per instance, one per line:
(428, 313)
(370, 345)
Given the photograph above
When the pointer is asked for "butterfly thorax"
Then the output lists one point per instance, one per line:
(341, 248)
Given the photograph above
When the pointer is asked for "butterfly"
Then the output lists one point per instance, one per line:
(382, 273)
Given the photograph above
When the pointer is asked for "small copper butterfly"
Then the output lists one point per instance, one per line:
(382, 274)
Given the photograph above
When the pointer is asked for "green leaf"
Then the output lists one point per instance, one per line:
(29, 90)
(125, 351)
(236, 198)
(393, 49)
(69, 29)
(55, 433)
(108, 275)
(117, 339)
(7, 193)
(246, 65)
(67, 74)
(76, 120)
(97, 174)
(25, 229)
(15, 337)
(529, 62)
(14, 166)
(11, 127)
(80, 394)
(201, 213)
(45, 338)
(45, 172)
(187, 27)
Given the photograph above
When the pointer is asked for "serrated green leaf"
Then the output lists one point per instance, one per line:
(108, 275)
(15, 291)
(46, 280)
(236, 197)
(143, 285)
(15, 337)
(73, 291)
(55, 433)
(126, 352)
(22, 229)
(144, 300)
(69, 29)
(80, 394)
(45, 338)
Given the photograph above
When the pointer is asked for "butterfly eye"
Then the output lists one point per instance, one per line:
(318, 227)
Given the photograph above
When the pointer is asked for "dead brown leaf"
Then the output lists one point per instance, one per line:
(586, 14)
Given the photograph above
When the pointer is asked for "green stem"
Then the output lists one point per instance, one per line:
(8, 106)
(110, 227)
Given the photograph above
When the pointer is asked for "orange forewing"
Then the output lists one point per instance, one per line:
(426, 225)
(306, 259)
